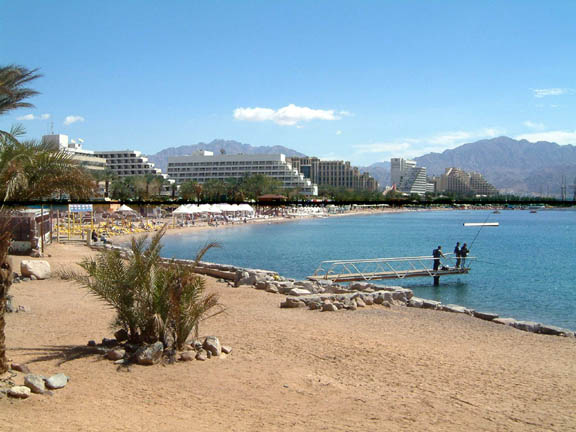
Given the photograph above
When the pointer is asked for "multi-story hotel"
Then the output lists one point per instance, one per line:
(334, 173)
(407, 177)
(129, 163)
(460, 182)
(204, 165)
(86, 158)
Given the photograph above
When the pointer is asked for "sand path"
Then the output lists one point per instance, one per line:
(374, 369)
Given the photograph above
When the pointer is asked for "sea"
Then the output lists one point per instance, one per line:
(524, 269)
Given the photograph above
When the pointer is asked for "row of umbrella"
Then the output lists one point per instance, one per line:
(213, 208)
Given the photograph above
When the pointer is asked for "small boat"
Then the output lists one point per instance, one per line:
(533, 211)
(496, 212)
(479, 224)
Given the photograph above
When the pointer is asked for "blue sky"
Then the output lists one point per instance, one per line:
(356, 80)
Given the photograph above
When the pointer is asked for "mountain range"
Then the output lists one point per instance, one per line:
(516, 166)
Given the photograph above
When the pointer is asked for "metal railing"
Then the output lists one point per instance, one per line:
(390, 268)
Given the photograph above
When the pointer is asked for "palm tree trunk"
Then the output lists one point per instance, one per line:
(5, 282)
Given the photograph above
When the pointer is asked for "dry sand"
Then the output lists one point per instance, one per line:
(374, 369)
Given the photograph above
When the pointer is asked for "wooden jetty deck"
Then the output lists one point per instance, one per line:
(388, 268)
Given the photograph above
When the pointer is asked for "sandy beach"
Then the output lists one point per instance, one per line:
(373, 369)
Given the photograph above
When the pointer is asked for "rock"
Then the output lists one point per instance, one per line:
(91, 343)
(299, 292)
(455, 309)
(201, 355)
(552, 330)
(212, 345)
(35, 383)
(119, 362)
(431, 304)
(149, 355)
(378, 299)
(20, 368)
(261, 285)
(187, 356)
(314, 305)
(37, 268)
(291, 302)
(226, 349)
(529, 326)
(360, 301)
(20, 392)
(353, 305)
(369, 300)
(121, 335)
(32, 277)
(109, 342)
(329, 307)
(272, 289)
(416, 302)
(504, 321)
(116, 354)
(488, 316)
(57, 381)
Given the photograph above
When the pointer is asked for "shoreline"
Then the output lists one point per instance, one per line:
(375, 369)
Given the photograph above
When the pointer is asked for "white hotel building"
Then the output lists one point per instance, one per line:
(204, 165)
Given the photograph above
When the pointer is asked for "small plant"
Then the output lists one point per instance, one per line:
(154, 301)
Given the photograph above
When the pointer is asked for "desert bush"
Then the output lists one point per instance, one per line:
(154, 301)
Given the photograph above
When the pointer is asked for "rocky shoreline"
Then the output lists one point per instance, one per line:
(327, 296)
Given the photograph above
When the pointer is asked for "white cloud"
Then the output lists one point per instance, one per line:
(534, 125)
(560, 137)
(289, 115)
(540, 93)
(73, 119)
(34, 117)
(338, 132)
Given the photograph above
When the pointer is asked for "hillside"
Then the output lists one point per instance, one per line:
(160, 159)
(510, 165)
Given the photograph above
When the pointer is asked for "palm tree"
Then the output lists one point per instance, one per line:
(12, 92)
(28, 171)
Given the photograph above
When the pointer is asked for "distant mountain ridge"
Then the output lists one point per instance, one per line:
(160, 159)
(511, 165)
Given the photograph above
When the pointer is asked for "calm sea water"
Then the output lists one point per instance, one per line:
(525, 267)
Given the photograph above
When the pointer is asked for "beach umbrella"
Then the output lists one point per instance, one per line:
(125, 209)
(181, 210)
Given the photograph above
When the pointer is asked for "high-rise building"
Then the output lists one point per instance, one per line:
(205, 165)
(334, 173)
(459, 182)
(129, 163)
(86, 158)
(407, 177)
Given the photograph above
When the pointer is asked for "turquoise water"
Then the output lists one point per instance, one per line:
(525, 268)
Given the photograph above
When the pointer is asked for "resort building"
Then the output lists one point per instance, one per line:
(129, 163)
(88, 159)
(459, 182)
(407, 177)
(204, 165)
(334, 173)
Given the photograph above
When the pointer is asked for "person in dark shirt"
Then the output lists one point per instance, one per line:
(463, 254)
(457, 254)
(437, 253)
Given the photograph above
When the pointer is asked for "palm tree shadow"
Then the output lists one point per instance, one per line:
(62, 353)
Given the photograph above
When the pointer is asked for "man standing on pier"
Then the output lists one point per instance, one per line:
(457, 254)
(437, 253)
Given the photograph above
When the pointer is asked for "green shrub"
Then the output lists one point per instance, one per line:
(154, 301)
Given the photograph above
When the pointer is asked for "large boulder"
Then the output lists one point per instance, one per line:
(20, 392)
(149, 355)
(57, 381)
(37, 268)
(292, 302)
(35, 383)
(212, 345)
(299, 292)
(529, 326)
(488, 316)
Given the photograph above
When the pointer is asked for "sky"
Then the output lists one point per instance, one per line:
(352, 80)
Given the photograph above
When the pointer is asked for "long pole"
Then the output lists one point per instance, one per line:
(42, 228)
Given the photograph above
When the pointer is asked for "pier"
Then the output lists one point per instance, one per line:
(388, 268)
